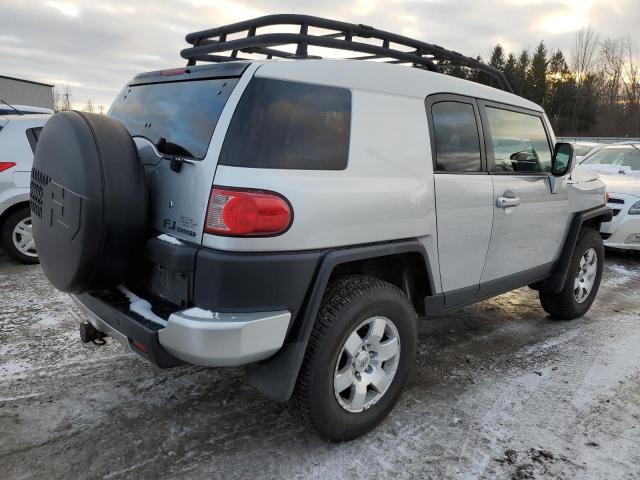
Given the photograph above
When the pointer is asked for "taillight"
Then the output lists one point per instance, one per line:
(241, 212)
(174, 71)
(6, 166)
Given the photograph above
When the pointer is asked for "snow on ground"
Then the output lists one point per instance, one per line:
(499, 391)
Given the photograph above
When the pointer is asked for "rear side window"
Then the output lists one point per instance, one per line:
(177, 117)
(456, 137)
(33, 134)
(289, 125)
(519, 141)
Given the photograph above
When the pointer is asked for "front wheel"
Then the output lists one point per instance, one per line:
(583, 279)
(358, 358)
(17, 238)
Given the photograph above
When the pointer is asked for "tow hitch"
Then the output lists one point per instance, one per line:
(88, 333)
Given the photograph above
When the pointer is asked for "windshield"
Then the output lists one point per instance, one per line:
(615, 159)
(177, 117)
(581, 150)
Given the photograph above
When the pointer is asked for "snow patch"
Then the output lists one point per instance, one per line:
(169, 239)
(141, 307)
(624, 271)
(201, 313)
(610, 169)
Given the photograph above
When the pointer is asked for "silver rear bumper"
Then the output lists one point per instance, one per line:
(212, 339)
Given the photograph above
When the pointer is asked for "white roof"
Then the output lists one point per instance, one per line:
(25, 108)
(384, 78)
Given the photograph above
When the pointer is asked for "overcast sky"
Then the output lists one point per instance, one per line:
(96, 46)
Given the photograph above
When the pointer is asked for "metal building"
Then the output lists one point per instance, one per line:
(25, 92)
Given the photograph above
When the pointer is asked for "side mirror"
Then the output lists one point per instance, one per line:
(563, 158)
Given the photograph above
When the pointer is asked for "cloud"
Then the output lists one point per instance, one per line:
(97, 46)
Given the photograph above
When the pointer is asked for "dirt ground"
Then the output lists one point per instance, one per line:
(499, 391)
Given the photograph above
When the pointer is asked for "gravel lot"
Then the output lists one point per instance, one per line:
(499, 391)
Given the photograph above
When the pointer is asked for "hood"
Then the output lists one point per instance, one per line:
(627, 182)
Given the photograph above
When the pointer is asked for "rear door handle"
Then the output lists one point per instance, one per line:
(507, 202)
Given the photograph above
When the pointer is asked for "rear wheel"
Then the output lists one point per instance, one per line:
(358, 358)
(17, 238)
(583, 280)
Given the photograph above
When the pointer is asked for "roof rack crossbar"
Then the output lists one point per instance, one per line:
(207, 45)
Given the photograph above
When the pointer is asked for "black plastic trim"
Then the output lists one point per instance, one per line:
(276, 376)
(203, 72)
(438, 305)
(132, 329)
(555, 283)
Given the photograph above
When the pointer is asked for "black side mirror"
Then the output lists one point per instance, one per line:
(563, 158)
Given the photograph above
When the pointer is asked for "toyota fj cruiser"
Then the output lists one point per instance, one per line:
(298, 216)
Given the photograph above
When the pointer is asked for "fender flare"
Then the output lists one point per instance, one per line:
(276, 377)
(555, 282)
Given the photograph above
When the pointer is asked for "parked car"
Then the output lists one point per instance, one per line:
(582, 149)
(619, 168)
(18, 136)
(302, 214)
(8, 109)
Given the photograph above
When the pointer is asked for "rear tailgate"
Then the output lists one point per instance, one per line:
(178, 119)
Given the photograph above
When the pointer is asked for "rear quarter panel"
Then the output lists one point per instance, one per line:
(386, 192)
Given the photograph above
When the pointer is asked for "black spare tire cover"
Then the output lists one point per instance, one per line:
(88, 201)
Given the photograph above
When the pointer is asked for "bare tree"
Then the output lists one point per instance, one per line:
(631, 80)
(611, 60)
(584, 52)
(61, 97)
(88, 106)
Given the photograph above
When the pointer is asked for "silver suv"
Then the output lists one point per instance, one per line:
(297, 217)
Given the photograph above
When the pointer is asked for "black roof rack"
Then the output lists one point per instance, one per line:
(208, 46)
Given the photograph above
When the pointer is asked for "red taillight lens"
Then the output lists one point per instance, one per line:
(139, 346)
(6, 166)
(240, 212)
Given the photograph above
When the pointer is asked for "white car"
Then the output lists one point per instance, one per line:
(582, 149)
(18, 136)
(619, 168)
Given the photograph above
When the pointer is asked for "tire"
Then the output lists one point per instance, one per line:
(88, 201)
(566, 305)
(347, 304)
(18, 221)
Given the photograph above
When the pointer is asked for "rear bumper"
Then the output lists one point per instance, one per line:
(194, 336)
(247, 303)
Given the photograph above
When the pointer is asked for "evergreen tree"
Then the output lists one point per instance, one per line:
(510, 69)
(537, 76)
(497, 58)
(520, 74)
(561, 89)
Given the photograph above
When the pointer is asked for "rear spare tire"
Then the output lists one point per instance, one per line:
(88, 201)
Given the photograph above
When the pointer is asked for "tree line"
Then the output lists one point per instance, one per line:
(594, 92)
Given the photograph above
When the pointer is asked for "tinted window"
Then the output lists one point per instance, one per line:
(519, 142)
(620, 156)
(179, 117)
(289, 125)
(33, 134)
(456, 137)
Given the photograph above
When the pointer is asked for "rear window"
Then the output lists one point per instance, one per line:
(289, 125)
(178, 117)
